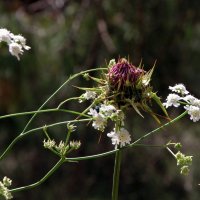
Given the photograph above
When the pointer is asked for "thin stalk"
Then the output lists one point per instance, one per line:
(54, 124)
(131, 145)
(43, 179)
(66, 100)
(171, 151)
(8, 149)
(157, 129)
(115, 188)
(42, 111)
(37, 129)
(67, 81)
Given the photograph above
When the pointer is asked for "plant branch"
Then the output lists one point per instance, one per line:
(67, 81)
(53, 169)
(42, 111)
(37, 129)
(131, 145)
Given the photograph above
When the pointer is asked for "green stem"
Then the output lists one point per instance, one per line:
(37, 129)
(115, 188)
(157, 129)
(10, 146)
(53, 169)
(66, 100)
(67, 81)
(43, 111)
(131, 145)
(171, 151)
(55, 124)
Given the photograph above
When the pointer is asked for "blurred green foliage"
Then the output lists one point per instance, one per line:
(69, 36)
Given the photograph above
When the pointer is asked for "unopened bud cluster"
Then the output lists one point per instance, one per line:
(4, 191)
(183, 162)
(61, 148)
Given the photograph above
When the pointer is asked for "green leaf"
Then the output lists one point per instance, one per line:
(87, 89)
(158, 101)
(135, 107)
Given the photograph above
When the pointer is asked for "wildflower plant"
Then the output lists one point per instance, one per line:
(121, 87)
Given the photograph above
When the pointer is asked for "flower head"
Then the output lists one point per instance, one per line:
(87, 95)
(99, 120)
(107, 110)
(121, 137)
(16, 43)
(172, 100)
(179, 88)
(123, 74)
(15, 49)
(49, 144)
(194, 112)
(21, 40)
(4, 191)
(5, 35)
(75, 144)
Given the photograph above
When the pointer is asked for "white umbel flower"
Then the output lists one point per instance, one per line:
(179, 88)
(107, 110)
(191, 100)
(194, 112)
(5, 35)
(16, 43)
(172, 100)
(15, 49)
(121, 137)
(89, 95)
(21, 40)
(99, 120)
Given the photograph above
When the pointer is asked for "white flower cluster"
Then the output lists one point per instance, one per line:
(104, 112)
(100, 117)
(87, 96)
(4, 191)
(16, 43)
(183, 96)
(120, 137)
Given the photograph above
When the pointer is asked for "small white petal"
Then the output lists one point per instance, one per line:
(107, 110)
(179, 88)
(89, 95)
(194, 112)
(172, 100)
(121, 137)
(15, 49)
(5, 35)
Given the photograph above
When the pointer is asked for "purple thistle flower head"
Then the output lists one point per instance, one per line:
(123, 74)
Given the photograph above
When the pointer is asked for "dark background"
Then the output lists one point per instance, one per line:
(69, 36)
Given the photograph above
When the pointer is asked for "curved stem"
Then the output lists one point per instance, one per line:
(10, 146)
(54, 124)
(131, 145)
(67, 81)
(115, 188)
(53, 169)
(66, 100)
(42, 111)
(157, 129)
(37, 129)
